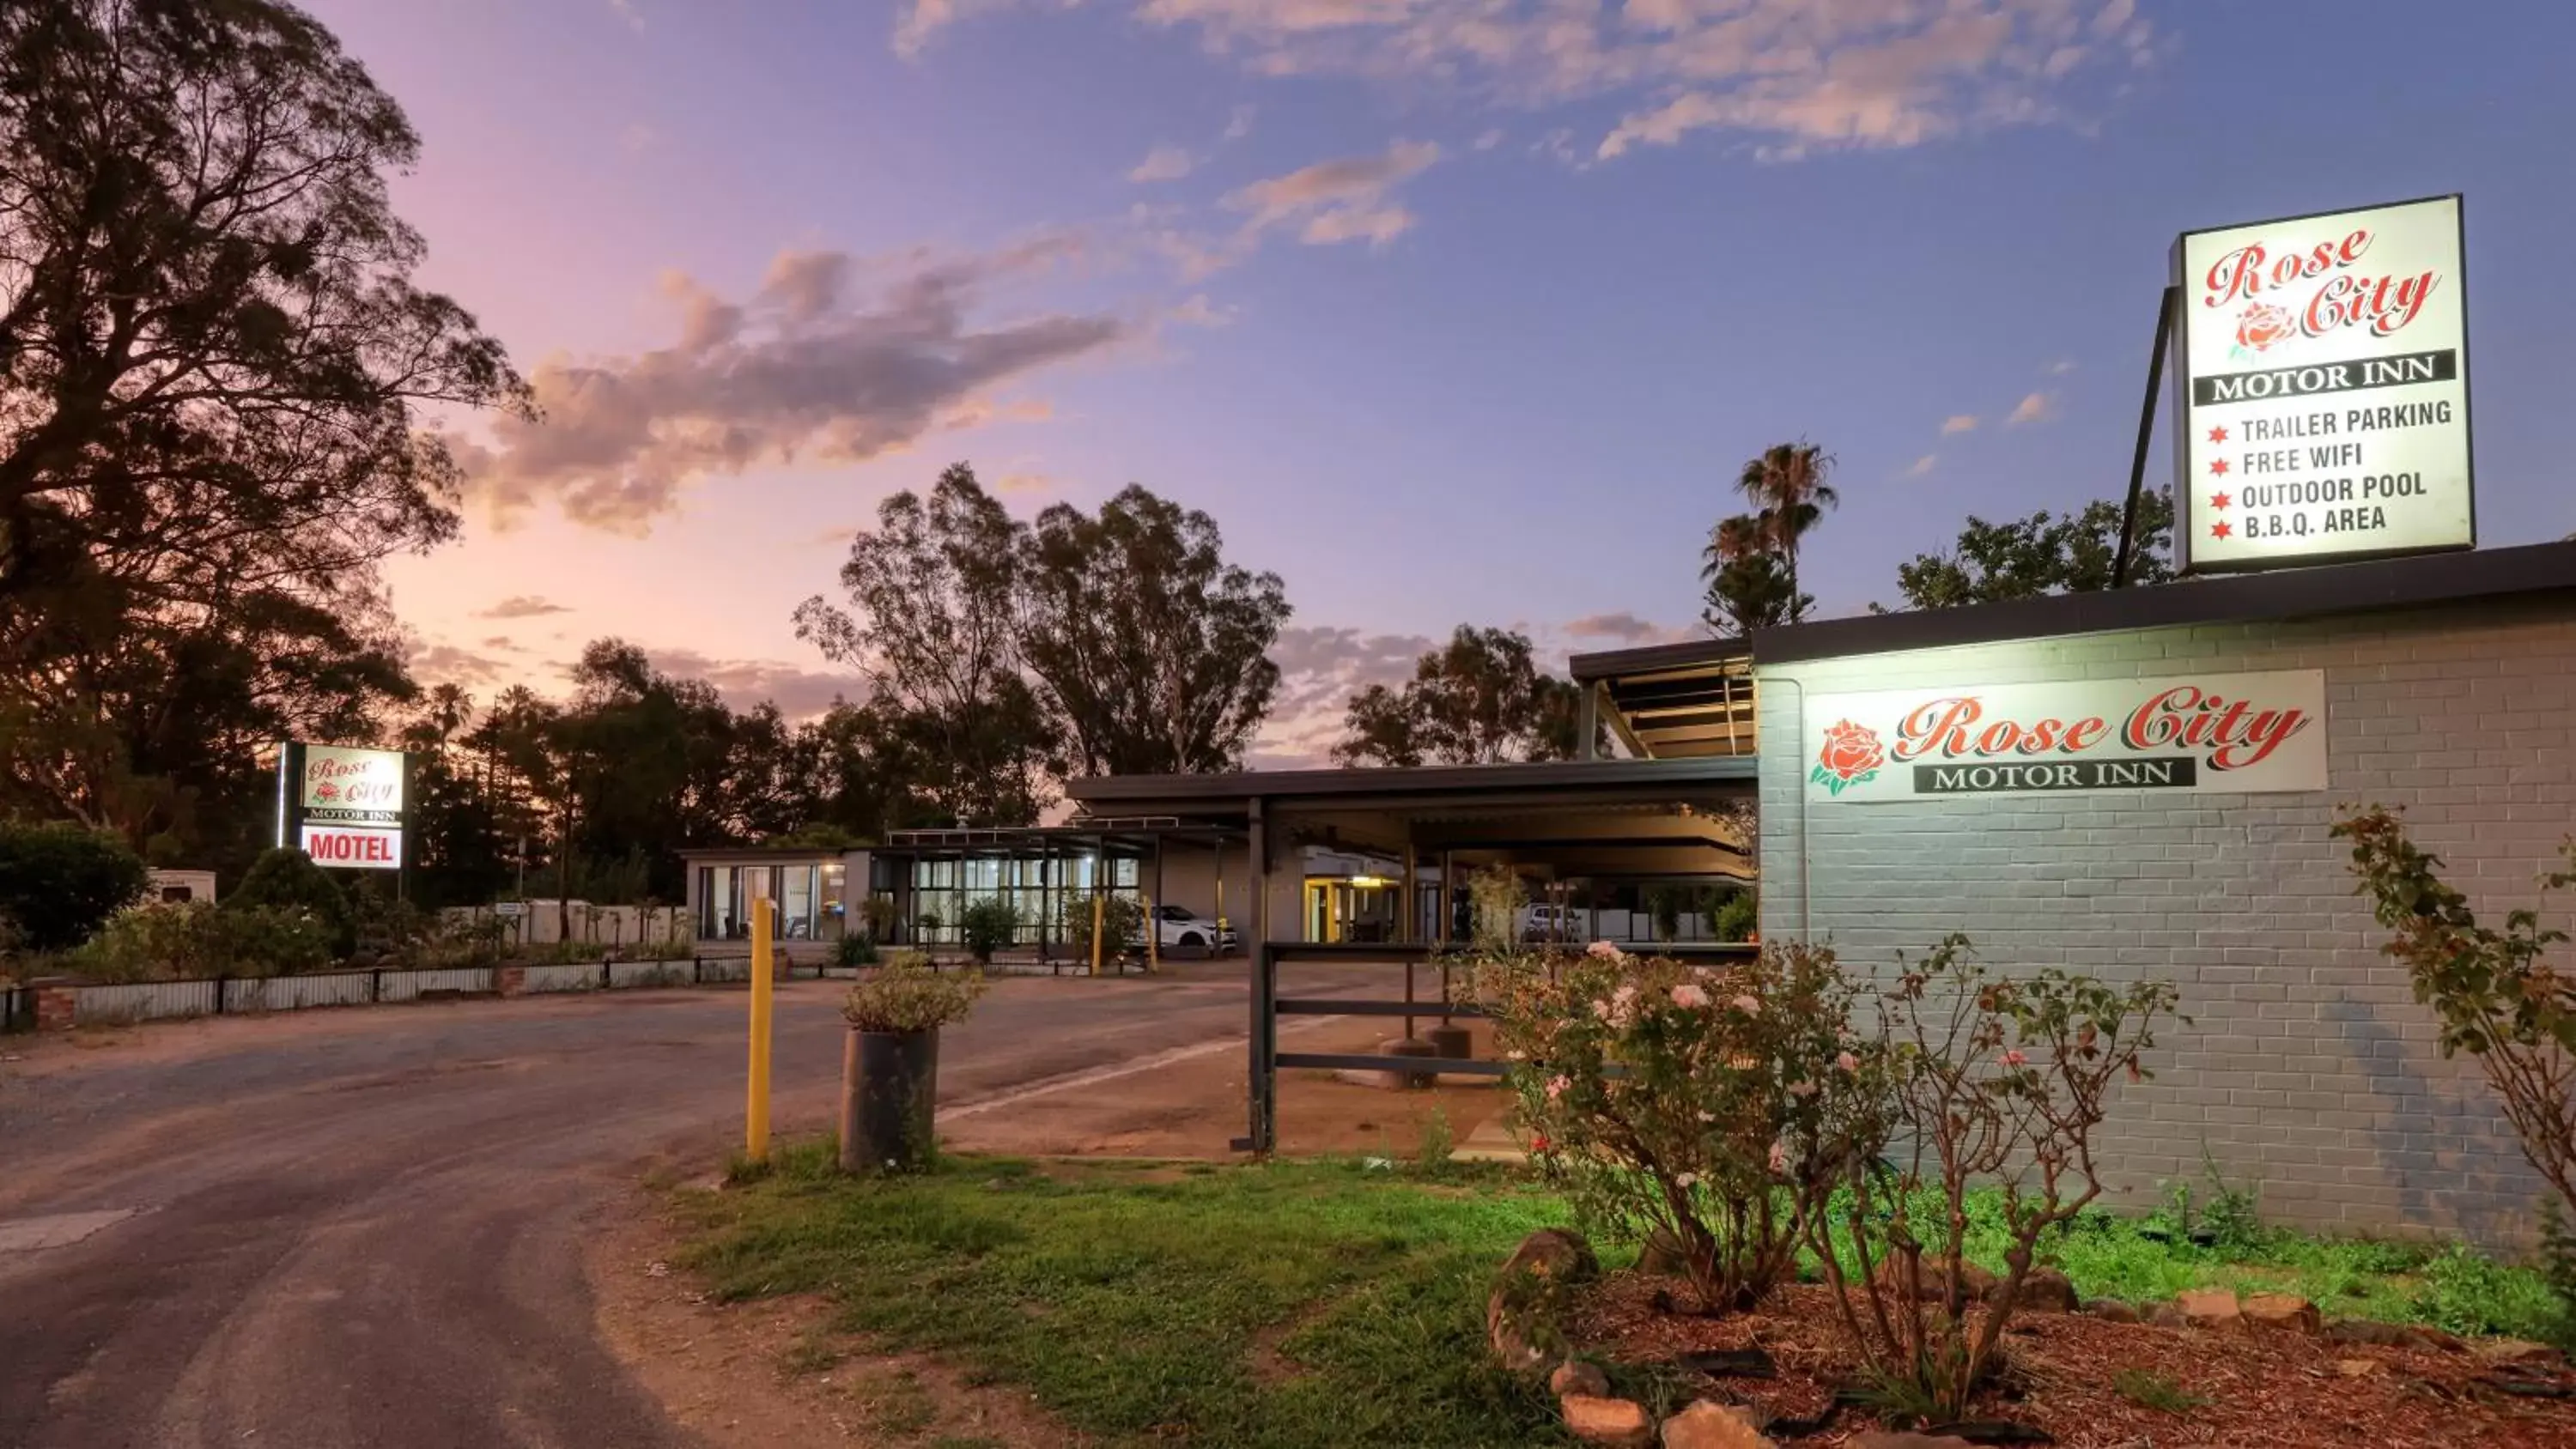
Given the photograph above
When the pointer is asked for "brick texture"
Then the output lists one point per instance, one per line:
(2309, 1072)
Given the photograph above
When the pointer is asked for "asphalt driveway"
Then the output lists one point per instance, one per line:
(362, 1228)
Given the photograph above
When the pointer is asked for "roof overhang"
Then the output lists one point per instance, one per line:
(2421, 581)
(1563, 782)
(1675, 701)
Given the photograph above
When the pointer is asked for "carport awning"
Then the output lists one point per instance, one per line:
(1675, 701)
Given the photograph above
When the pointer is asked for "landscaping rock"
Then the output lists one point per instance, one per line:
(2392, 1335)
(1577, 1377)
(1594, 1420)
(2112, 1310)
(2282, 1311)
(2044, 1290)
(2210, 1308)
(2513, 1350)
(1706, 1425)
(2370, 1331)
(1974, 1282)
(1557, 1254)
(1662, 1256)
(1518, 1316)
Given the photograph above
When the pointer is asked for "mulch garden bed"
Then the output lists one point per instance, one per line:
(2259, 1388)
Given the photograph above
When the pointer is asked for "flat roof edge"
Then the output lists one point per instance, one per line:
(1649, 658)
(2380, 584)
(1424, 779)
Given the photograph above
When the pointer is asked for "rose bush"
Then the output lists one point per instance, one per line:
(1970, 1080)
(1667, 1096)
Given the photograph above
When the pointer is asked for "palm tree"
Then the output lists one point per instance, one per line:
(1787, 483)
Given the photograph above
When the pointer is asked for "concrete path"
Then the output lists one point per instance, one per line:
(362, 1228)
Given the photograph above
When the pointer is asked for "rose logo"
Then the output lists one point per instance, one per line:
(2262, 325)
(1851, 756)
(326, 791)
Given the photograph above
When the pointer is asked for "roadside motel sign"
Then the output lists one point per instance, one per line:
(2204, 734)
(2322, 401)
(343, 805)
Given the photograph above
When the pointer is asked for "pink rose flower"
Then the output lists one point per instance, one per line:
(1556, 1087)
(2014, 1058)
(1689, 995)
(1748, 1005)
(1604, 950)
(1848, 1062)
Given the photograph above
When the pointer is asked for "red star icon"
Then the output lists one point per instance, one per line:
(2218, 435)
(2218, 467)
(2219, 500)
(2220, 529)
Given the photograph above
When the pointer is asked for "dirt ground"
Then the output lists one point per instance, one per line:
(1192, 1105)
(771, 1374)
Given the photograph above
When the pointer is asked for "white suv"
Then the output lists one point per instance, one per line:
(1181, 927)
(1553, 923)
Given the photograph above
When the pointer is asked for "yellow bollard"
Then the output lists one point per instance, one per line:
(755, 1132)
(1097, 912)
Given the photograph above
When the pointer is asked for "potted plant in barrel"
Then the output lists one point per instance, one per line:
(890, 1063)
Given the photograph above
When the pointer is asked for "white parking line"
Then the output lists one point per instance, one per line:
(1090, 1076)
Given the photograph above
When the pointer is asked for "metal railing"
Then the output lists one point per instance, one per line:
(1267, 1006)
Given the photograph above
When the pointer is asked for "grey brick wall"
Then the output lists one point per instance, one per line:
(2309, 1071)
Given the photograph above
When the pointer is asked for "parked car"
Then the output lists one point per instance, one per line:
(1185, 929)
(1553, 923)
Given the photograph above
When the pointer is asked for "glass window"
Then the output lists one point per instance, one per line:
(796, 902)
(719, 911)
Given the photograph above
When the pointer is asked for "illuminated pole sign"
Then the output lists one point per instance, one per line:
(342, 806)
(2324, 388)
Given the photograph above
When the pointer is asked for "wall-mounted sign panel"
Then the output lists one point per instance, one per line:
(2216, 733)
(2323, 399)
(353, 847)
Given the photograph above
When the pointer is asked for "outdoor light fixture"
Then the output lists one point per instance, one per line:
(1368, 882)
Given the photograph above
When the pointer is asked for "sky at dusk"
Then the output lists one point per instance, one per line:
(1446, 310)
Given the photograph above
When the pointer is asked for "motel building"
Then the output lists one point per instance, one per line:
(2131, 783)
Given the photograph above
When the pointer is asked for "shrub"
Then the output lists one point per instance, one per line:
(1661, 1096)
(908, 994)
(1122, 926)
(193, 939)
(988, 925)
(854, 951)
(1733, 917)
(1981, 1080)
(879, 914)
(1495, 895)
(287, 879)
(59, 883)
(383, 926)
(2497, 999)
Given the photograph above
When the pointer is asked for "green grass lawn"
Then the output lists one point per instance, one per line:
(1329, 1304)
(1292, 1304)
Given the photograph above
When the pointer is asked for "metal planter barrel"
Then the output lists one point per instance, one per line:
(889, 1097)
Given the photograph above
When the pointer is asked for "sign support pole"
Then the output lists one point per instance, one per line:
(2127, 555)
(755, 1133)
